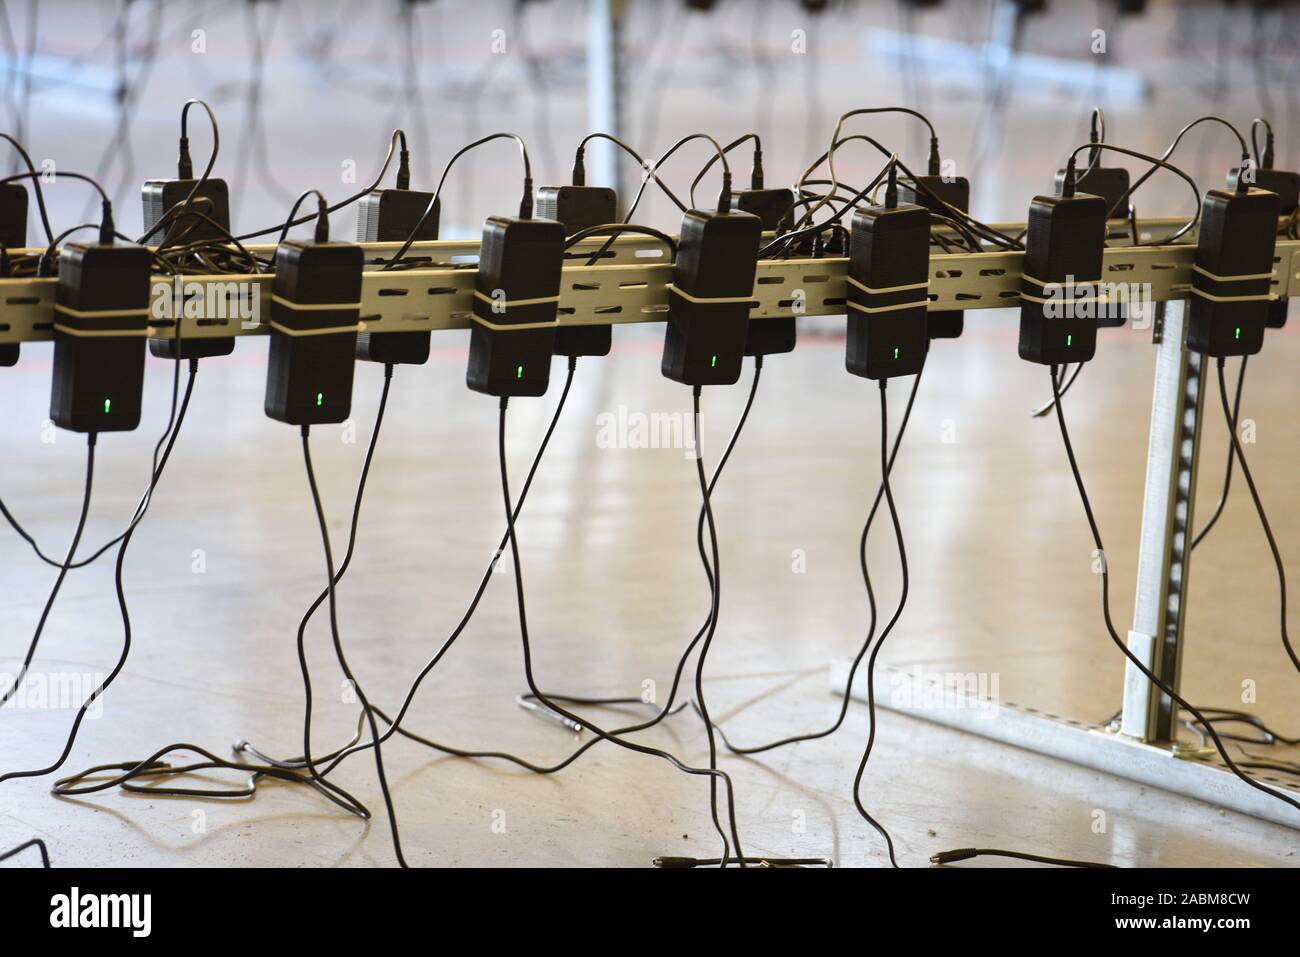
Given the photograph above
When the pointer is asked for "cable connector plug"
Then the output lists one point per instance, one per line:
(184, 164)
(891, 185)
(106, 228)
(526, 203)
(935, 164)
(724, 197)
(951, 857)
(579, 177)
(1067, 181)
(404, 168)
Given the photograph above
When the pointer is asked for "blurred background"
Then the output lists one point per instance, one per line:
(306, 93)
(302, 88)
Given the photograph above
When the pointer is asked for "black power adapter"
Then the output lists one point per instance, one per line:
(710, 297)
(1287, 186)
(208, 195)
(392, 216)
(212, 199)
(13, 215)
(1063, 249)
(168, 193)
(937, 193)
(101, 308)
(775, 211)
(315, 306)
(1111, 183)
(889, 273)
(773, 207)
(576, 208)
(1232, 272)
(516, 298)
(13, 235)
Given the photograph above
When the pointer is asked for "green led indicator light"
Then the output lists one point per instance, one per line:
(519, 373)
(1238, 332)
(713, 364)
(895, 353)
(1069, 340)
(320, 398)
(108, 405)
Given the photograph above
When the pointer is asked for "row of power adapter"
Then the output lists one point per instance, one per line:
(103, 290)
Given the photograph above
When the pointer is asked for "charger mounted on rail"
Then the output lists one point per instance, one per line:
(101, 309)
(394, 216)
(775, 211)
(1065, 237)
(932, 192)
(887, 283)
(13, 235)
(516, 302)
(1286, 184)
(315, 310)
(209, 196)
(1233, 271)
(577, 207)
(711, 295)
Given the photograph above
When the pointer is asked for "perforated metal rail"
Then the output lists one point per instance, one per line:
(628, 285)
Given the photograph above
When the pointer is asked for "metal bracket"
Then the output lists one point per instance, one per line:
(951, 701)
(1158, 611)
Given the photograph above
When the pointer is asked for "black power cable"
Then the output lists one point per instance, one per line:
(35, 842)
(342, 659)
(394, 725)
(1259, 508)
(1201, 719)
(1105, 599)
(966, 853)
(525, 203)
(121, 600)
(347, 201)
(141, 507)
(712, 772)
(292, 771)
(1232, 458)
(889, 627)
(579, 175)
(570, 720)
(63, 572)
(871, 602)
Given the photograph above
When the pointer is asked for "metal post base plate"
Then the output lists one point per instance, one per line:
(956, 702)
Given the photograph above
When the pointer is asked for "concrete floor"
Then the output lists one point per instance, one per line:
(229, 557)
